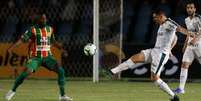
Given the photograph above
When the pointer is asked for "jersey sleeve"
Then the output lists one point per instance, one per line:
(26, 36)
(172, 25)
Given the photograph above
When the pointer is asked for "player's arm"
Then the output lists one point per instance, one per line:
(24, 38)
(58, 45)
(55, 43)
(184, 31)
(187, 33)
(185, 43)
(173, 43)
(16, 44)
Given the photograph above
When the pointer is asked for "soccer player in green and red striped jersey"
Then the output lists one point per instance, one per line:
(40, 37)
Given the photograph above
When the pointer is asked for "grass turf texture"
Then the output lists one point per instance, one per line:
(46, 90)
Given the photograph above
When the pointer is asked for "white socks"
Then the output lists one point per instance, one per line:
(123, 66)
(183, 78)
(163, 86)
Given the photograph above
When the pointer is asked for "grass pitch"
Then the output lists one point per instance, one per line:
(47, 90)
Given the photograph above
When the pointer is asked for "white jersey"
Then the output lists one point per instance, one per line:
(193, 51)
(193, 25)
(165, 35)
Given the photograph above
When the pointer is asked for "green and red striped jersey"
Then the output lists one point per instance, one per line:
(40, 40)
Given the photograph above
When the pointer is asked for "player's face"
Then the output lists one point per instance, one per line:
(42, 20)
(190, 9)
(157, 18)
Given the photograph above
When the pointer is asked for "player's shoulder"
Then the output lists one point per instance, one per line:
(30, 29)
(49, 26)
(198, 16)
(172, 22)
(187, 18)
(33, 27)
(49, 29)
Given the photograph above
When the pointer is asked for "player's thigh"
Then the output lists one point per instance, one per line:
(33, 63)
(158, 62)
(197, 52)
(50, 63)
(146, 55)
(188, 56)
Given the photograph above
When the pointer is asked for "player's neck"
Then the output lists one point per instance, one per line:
(191, 16)
(163, 20)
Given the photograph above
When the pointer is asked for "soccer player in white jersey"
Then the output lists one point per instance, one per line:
(158, 55)
(192, 45)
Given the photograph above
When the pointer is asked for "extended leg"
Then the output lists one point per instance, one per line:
(19, 80)
(129, 63)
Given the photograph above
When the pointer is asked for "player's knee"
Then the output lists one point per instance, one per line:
(154, 77)
(138, 58)
(61, 71)
(185, 65)
(25, 69)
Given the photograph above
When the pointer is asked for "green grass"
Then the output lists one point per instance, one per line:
(46, 90)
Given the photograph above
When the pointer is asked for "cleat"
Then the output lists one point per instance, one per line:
(9, 95)
(65, 98)
(175, 98)
(179, 91)
(111, 73)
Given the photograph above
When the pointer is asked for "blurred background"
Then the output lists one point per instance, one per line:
(126, 27)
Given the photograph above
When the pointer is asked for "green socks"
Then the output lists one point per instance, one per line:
(19, 80)
(61, 80)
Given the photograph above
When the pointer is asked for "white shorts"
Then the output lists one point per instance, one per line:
(191, 53)
(157, 59)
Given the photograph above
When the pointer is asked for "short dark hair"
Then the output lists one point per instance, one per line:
(190, 2)
(159, 12)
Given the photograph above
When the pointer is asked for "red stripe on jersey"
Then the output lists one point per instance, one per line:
(33, 39)
(44, 35)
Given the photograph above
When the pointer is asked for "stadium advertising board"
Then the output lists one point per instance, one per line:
(171, 68)
(11, 64)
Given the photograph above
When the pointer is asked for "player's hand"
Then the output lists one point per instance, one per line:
(64, 52)
(194, 40)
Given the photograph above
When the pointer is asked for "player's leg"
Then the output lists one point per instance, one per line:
(183, 78)
(19, 80)
(51, 64)
(137, 58)
(30, 66)
(158, 61)
(164, 86)
(188, 57)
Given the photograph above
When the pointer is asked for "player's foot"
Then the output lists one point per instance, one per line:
(179, 91)
(175, 98)
(65, 98)
(111, 73)
(9, 95)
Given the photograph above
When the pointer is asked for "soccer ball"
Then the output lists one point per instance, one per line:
(89, 49)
